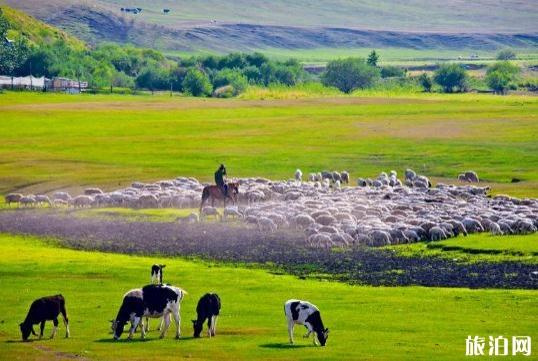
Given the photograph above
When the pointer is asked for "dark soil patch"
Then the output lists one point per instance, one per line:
(285, 251)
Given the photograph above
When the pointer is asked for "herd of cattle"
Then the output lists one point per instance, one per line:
(159, 300)
(377, 212)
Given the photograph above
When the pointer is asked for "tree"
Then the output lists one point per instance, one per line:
(392, 71)
(426, 82)
(13, 55)
(372, 58)
(153, 78)
(451, 77)
(197, 83)
(4, 25)
(501, 76)
(506, 54)
(350, 74)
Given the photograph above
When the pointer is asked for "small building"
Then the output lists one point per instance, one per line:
(65, 85)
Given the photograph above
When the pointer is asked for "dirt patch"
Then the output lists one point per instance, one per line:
(58, 355)
(286, 251)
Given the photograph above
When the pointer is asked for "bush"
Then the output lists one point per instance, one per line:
(350, 74)
(506, 54)
(451, 77)
(231, 77)
(197, 83)
(501, 76)
(392, 71)
(425, 82)
(253, 74)
(226, 91)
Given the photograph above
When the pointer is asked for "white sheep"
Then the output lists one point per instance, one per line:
(210, 211)
(266, 225)
(298, 175)
(13, 198)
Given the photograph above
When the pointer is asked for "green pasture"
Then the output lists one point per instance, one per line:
(414, 323)
(62, 141)
(478, 247)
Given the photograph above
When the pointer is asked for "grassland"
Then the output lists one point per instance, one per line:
(53, 141)
(379, 323)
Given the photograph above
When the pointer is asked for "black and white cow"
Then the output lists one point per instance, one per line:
(45, 309)
(157, 273)
(152, 301)
(208, 308)
(306, 314)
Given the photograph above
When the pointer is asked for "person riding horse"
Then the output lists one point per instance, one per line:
(219, 180)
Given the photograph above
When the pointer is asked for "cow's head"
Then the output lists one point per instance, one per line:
(323, 335)
(26, 329)
(117, 328)
(197, 327)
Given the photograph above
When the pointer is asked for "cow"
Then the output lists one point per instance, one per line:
(152, 301)
(306, 314)
(157, 273)
(208, 308)
(45, 309)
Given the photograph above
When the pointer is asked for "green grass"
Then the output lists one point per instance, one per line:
(62, 141)
(414, 323)
(481, 247)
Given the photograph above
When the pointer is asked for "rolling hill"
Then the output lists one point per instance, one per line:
(211, 25)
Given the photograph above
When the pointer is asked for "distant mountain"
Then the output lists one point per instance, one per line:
(224, 26)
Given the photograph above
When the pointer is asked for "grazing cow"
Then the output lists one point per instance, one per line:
(157, 273)
(208, 308)
(306, 314)
(151, 301)
(45, 309)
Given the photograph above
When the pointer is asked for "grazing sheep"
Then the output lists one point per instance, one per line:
(210, 211)
(337, 185)
(92, 191)
(437, 234)
(524, 226)
(191, 218)
(27, 201)
(378, 238)
(147, 201)
(410, 174)
(232, 212)
(471, 177)
(303, 220)
(326, 175)
(325, 220)
(13, 198)
(495, 229)
(41, 199)
(321, 240)
(345, 177)
(82, 201)
(361, 182)
(266, 225)
(298, 175)
(62, 195)
(472, 225)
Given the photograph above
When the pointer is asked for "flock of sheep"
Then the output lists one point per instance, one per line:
(381, 211)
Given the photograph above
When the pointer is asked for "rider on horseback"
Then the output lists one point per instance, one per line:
(219, 179)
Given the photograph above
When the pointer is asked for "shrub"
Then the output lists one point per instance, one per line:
(197, 83)
(451, 77)
(231, 77)
(350, 74)
(425, 82)
(506, 54)
(392, 71)
(226, 91)
(501, 76)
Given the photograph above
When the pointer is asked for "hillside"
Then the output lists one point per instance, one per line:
(254, 25)
(36, 31)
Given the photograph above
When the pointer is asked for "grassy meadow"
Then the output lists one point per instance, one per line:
(413, 323)
(57, 141)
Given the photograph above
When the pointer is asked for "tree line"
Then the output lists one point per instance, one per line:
(110, 66)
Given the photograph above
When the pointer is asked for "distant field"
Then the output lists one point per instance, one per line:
(407, 323)
(62, 142)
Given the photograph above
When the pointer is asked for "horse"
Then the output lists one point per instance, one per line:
(216, 193)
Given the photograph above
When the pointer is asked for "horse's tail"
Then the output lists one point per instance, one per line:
(205, 195)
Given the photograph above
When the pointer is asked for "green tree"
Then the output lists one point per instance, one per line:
(451, 77)
(373, 58)
(392, 71)
(197, 83)
(426, 82)
(506, 54)
(13, 56)
(501, 76)
(4, 25)
(350, 74)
